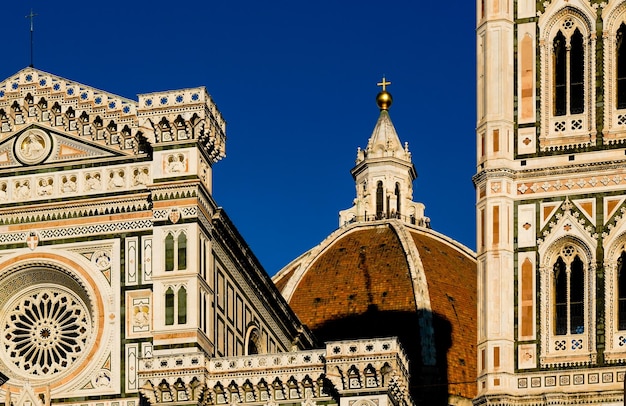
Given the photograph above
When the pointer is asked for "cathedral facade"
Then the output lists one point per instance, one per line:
(123, 283)
(551, 193)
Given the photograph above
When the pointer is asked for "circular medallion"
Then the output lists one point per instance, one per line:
(32, 146)
(101, 259)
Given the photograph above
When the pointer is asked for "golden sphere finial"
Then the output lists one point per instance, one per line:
(384, 99)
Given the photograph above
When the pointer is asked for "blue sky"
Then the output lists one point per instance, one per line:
(296, 82)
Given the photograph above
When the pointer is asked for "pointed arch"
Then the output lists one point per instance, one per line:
(182, 305)
(253, 344)
(169, 306)
(620, 67)
(379, 199)
(614, 25)
(615, 293)
(567, 60)
(182, 251)
(398, 199)
(169, 252)
(567, 292)
(175, 252)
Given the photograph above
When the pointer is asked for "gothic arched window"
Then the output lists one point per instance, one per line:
(397, 193)
(620, 51)
(175, 251)
(169, 252)
(182, 305)
(621, 291)
(253, 341)
(577, 297)
(569, 74)
(379, 200)
(182, 251)
(577, 73)
(169, 307)
(569, 293)
(560, 75)
(567, 70)
(567, 300)
(560, 297)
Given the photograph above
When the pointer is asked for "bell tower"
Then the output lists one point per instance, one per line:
(550, 194)
(495, 195)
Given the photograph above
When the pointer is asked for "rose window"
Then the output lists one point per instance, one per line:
(46, 332)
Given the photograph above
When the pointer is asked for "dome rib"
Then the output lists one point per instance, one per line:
(388, 277)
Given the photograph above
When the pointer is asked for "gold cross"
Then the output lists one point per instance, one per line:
(384, 83)
(31, 16)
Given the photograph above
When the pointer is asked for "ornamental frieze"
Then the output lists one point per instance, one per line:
(565, 185)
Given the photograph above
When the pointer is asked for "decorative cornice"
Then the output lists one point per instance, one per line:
(180, 116)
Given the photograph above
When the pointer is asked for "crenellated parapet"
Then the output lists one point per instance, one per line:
(374, 368)
(180, 116)
(342, 369)
(173, 377)
(122, 125)
(33, 96)
(279, 377)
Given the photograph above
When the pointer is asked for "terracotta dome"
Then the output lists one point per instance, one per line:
(385, 273)
(391, 278)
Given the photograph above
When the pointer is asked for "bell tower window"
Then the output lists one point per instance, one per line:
(182, 305)
(614, 83)
(567, 303)
(620, 51)
(567, 70)
(569, 74)
(577, 74)
(169, 252)
(175, 306)
(577, 297)
(621, 291)
(169, 307)
(569, 295)
(560, 297)
(175, 251)
(182, 251)
(560, 74)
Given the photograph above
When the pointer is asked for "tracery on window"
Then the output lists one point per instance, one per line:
(567, 91)
(46, 331)
(49, 321)
(567, 297)
(614, 68)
